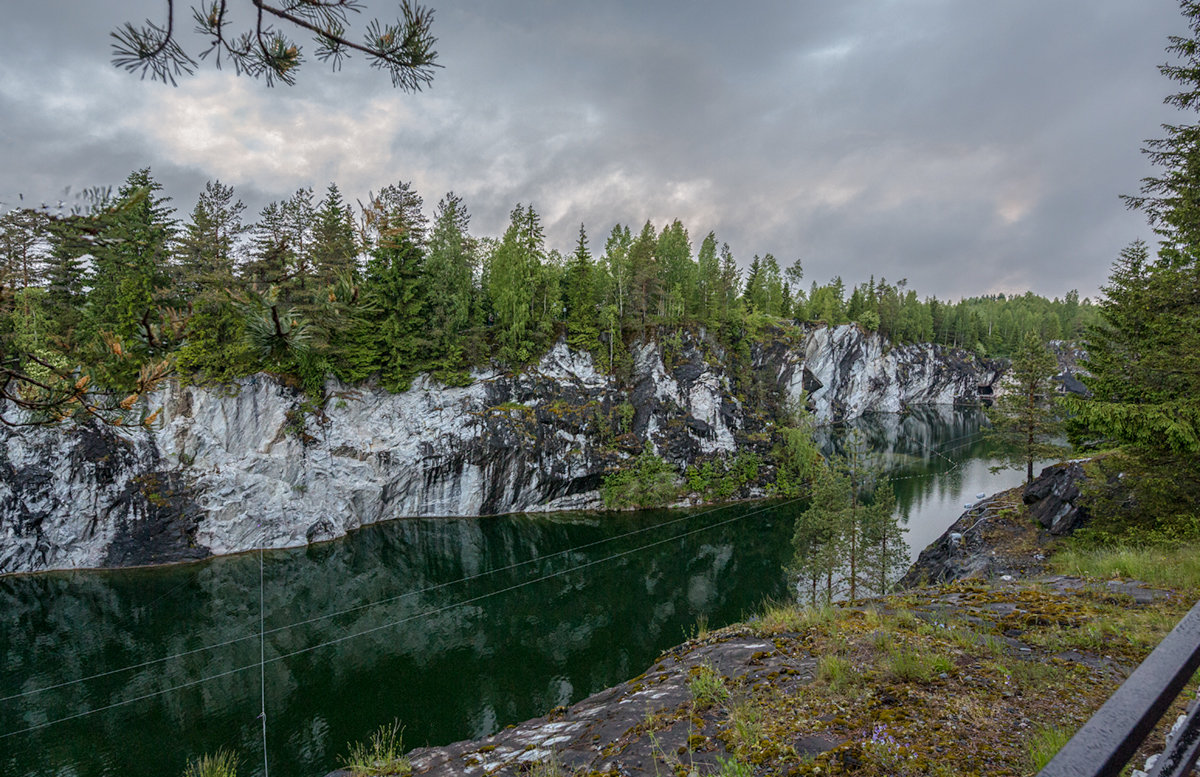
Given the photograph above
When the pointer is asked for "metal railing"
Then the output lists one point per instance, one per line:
(1110, 738)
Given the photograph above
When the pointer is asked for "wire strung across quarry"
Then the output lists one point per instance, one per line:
(262, 650)
(435, 587)
(261, 633)
(407, 619)
(367, 605)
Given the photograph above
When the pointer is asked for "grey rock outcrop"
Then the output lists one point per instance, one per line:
(234, 468)
(847, 373)
(992, 538)
(1053, 498)
(1070, 358)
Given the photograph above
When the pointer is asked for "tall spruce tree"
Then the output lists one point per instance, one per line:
(450, 278)
(772, 283)
(271, 254)
(1144, 358)
(208, 253)
(22, 235)
(886, 555)
(646, 279)
(66, 274)
(754, 294)
(579, 297)
(849, 540)
(396, 300)
(1023, 418)
(334, 249)
(727, 295)
(816, 542)
(130, 267)
(616, 265)
(514, 275)
(298, 217)
(209, 247)
(708, 280)
(674, 253)
(390, 336)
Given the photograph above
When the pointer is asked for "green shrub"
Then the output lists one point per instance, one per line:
(718, 479)
(797, 457)
(649, 482)
(625, 413)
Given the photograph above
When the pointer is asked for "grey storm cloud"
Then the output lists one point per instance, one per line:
(970, 147)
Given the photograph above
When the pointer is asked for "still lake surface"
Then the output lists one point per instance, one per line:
(454, 626)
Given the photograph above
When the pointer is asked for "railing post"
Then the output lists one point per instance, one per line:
(1110, 737)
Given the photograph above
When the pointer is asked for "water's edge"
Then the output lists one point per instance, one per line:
(497, 619)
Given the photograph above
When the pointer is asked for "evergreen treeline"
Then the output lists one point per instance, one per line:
(313, 286)
(1144, 354)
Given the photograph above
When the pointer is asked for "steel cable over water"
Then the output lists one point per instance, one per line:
(263, 632)
(407, 619)
(262, 650)
(357, 607)
(439, 586)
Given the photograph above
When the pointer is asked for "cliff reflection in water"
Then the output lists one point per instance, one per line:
(446, 670)
(935, 456)
(456, 627)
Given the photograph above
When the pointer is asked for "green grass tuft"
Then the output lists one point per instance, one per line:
(1044, 744)
(222, 763)
(909, 666)
(707, 686)
(746, 727)
(383, 755)
(784, 617)
(548, 768)
(732, 767)
(836, 671)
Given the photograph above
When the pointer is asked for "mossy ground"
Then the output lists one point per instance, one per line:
(971, 678)
(963, 679)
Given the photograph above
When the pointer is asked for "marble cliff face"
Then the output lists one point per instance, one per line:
(227, 469)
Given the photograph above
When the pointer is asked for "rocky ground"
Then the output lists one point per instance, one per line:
(1009, 534)
(965, 676)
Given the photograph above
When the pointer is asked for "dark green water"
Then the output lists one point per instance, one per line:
(459, 626)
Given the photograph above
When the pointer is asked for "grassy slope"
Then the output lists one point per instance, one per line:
(971, 678)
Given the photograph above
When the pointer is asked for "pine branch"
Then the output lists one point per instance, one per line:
(403, 48)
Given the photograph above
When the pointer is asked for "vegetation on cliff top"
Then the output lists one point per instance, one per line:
(315, 287)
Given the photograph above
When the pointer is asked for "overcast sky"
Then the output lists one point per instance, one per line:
(971, 146)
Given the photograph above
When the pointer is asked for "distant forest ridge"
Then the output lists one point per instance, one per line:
(315, 287)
